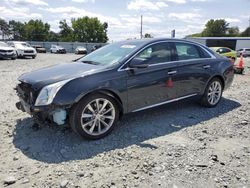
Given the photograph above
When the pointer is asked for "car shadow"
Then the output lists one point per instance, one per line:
(52, 144)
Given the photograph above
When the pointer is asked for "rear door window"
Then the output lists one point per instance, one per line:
(187, 51)
(156, 53)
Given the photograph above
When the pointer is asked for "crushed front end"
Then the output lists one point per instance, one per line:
(44, 114)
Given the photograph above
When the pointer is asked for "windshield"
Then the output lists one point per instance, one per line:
(3, 44)
(23, 44)
(111, 54)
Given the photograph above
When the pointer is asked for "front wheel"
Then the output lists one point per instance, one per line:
(94, 116)
(213, 93)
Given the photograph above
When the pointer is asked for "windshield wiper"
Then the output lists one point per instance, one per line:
(90, 62)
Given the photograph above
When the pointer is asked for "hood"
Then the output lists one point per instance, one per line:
(25, 48)
(40, 78)
(6, 48)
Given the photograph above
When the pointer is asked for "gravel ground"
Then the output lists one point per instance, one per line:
(178, 145)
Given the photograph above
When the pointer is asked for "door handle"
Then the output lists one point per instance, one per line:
(172, 72)
(206, 66)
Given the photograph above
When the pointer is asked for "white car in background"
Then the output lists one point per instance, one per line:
(57, 49)
(81, 50)
(23, 49)
(7, 52)
(244, 51)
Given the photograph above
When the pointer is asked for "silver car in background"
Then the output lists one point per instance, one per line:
(81, 50)
(244, 51)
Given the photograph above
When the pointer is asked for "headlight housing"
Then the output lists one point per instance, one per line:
(48, 93)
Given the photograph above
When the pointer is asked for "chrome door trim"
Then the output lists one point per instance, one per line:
(172, 72)
(166, 102)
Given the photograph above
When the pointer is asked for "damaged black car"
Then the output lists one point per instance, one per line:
(93, 93)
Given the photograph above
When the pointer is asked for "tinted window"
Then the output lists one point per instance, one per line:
(187, 51)
(157, 53)
(223, 50)
(248, 50)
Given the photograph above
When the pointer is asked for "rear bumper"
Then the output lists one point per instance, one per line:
(228, 77)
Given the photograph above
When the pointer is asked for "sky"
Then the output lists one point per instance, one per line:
(160, 17)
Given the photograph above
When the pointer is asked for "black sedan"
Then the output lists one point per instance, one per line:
(92, 93)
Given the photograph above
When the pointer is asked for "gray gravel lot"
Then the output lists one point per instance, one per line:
(178, 145)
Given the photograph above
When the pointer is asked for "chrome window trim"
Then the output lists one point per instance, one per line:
(163, 63)
(166, 102)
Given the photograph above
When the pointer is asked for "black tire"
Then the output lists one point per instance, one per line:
(33, 57)
(13, 58)
(76, 115)
(204, 100)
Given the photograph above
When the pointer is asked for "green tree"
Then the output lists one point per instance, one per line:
(215, 28)
(233, 31)
(89, 30)
(246, 33)
(17, 30)
(36, 30)
(66, 32)
(54, 37)
(4, 28)
(147, 35)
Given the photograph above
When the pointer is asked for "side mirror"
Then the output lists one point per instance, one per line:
(138, 63)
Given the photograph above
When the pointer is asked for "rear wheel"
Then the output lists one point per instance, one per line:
(94, 116)
(213, 93)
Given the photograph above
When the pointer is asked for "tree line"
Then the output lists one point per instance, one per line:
(83, 29)
(220, 28)
(88, 29)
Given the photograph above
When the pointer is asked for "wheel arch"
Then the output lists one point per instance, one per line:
(220, 77)
(107, 92)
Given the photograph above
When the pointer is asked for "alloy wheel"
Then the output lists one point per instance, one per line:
(214, 92)
(98, 116)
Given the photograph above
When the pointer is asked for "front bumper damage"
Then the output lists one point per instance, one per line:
(52, 114)
(48, 114)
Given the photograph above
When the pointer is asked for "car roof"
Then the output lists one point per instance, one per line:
(155, 40)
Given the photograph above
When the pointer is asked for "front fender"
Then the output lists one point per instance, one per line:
(76, 89)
